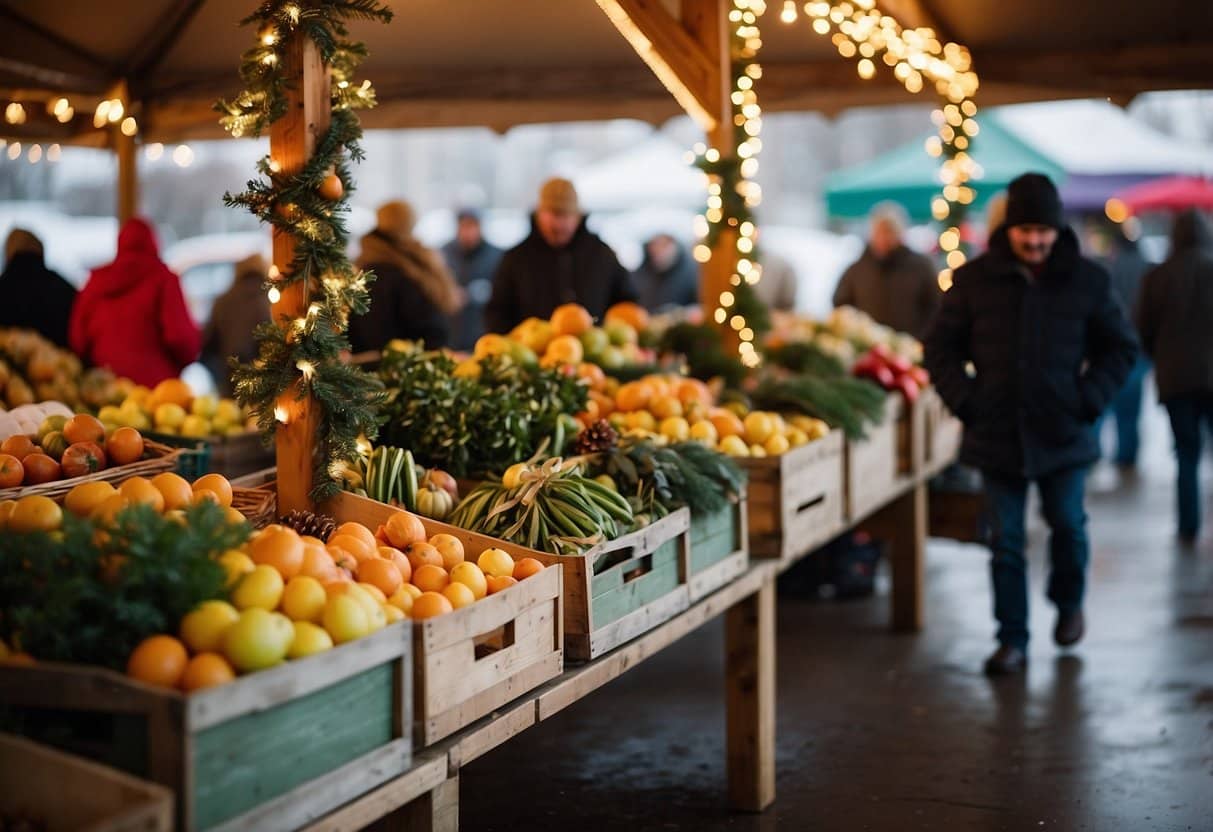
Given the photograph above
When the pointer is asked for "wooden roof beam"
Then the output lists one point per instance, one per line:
(688, 71)
(916, 14)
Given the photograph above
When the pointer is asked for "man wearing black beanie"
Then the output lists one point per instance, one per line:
(1050, 347)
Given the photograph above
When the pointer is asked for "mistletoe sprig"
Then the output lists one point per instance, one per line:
(301, 357)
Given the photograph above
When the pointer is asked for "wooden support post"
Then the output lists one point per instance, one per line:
(750, 699)
(128, 168)
(707, 21)
(292, 142)
(434, 811)
(904, 524)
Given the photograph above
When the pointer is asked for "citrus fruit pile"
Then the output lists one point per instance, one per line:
(292, 596)
(172, 408)
(64, 448)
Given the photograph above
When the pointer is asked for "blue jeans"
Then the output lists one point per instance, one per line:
(1061, 495)
(1126, 409)
(1187, 414)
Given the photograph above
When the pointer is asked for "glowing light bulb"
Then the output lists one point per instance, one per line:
(788, 15)
(274, 295)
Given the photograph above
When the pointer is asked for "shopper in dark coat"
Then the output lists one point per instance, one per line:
(668, 277)
(1050, 347)
(473, 260)
(236, 313)
(898, 287)
(33, 296)
(560, 262)
(413, 295)
(1175, 317)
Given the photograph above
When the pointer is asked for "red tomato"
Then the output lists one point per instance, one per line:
(82, 459)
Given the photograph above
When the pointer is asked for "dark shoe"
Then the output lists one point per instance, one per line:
(1070, 628)
(1006, 661)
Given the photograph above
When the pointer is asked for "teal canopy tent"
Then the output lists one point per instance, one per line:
(910, 176)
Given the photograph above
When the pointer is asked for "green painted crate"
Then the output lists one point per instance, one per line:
(195, 457)
(272, 750)
(623, 588)
(719, 549)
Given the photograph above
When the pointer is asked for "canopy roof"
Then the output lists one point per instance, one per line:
(909, 176)
(1172, 193)
(498, 63)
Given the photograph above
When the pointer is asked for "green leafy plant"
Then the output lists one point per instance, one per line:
(659, 479)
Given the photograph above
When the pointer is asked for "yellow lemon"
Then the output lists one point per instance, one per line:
(204, 627)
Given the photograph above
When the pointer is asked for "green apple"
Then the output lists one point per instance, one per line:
(522, 354)
(612, 358)
(205, 406)
(621, 333)
(594, 340)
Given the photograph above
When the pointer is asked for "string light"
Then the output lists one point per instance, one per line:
(917, 57)
(307, 368)
(129, 126)
(14, 151)
(14, 113)
(54, 153)
(154, 151)
(183, 156)
(274, 295)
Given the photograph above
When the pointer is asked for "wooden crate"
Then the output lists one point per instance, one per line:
(272, 750)
(720, 549)
(879, 465)
(35, 780)
(796, 499)
(470, 662)
(942, 433)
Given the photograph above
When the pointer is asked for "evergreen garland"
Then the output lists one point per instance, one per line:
(302, 357)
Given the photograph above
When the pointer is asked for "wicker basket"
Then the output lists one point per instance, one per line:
(257, 504)
(156, 458)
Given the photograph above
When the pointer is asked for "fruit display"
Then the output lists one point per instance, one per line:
(892, 372)
(27, 418)
(548, 506)
(478, 416)
(570, 337)
(32, 369)
(847, 334)
(171, 408)
(64, 448)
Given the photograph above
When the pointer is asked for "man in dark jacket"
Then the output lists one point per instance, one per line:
(34, 297)
(668, 276)
(473, 261)
(1175, 317)
(560, 262)
(1050, 346)
(896, 286)
(236, 313)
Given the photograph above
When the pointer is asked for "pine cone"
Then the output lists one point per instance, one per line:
(598, 438)
(308, 523)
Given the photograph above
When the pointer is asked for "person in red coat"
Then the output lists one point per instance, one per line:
(131, 315)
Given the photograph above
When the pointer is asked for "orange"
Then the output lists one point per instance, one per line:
(665, 407)
(124, 446)
(105, 513)
(356, 546)
(471, 575)
(19, 446)
(526, 567)
(175, 489)
(691, 390)
(205, 671)
(497, 584)
(12, 472)
(430, 578)
(419, 554)
(317, 562)
(459, 595)
(380, 573)
(496, 562)
(632, 396)
(84, 498)
(342, 558)
(400, 559)
(632, 314)
(592, 374)
(451, 549)
(279, 547)
(564, 349)
(171, 391)
(571, 319)
(356, 530)
(216, 484)
(158, 660)
(6, 511)
(140, 491)
(430, 604)
(404, 528)
(84, 428)
(35, 514)
(726, 422)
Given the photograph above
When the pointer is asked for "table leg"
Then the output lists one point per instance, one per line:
(750, 700)
(908, 542)
(434, 811)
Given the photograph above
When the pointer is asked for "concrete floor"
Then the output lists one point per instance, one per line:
(901, 732)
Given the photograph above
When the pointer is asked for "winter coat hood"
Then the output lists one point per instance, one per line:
(416, 262)
(1191, 230)
(138, 259)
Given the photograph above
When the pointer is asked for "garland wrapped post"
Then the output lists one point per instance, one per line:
(299, 84)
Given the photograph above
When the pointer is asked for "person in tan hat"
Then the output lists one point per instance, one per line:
(413, 295)
(235, 315)
(560, 262)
